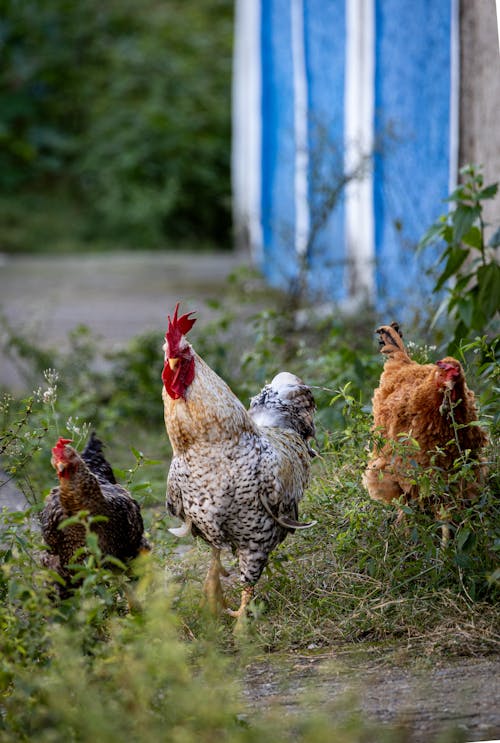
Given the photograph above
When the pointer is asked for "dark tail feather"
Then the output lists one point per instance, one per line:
(95, 460)
(285, 521)
(390, 339)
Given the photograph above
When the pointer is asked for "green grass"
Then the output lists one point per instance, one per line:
(358, 577)
(168, 670)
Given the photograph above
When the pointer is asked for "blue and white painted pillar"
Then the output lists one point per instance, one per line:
(329, 89)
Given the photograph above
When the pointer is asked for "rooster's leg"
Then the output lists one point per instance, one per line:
(212, 587)
(246, 597)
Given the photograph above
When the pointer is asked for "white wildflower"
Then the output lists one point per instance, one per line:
(76, 428)
(38, 394)
(50, 395)
(51, 376)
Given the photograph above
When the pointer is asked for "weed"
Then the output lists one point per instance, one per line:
(470, 269)
(88, 667)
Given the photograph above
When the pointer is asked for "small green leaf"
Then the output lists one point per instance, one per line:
(462, 560)
(462, 282)
(434, 232)
(142, 486)
(78, 519)
(463, 218)
(448, 234)
(488, 279)
(99, 518)
(473, 237)
(462, 538)
(406, 509)
(455, 259)
(92, 541)
(465, 308)
(111, 560)
(489, 192)
(459, 194)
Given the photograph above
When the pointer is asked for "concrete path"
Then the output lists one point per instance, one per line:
(117, 295)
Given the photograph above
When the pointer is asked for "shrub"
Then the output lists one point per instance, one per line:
(90, 667)
(123, 112)
(471, 273)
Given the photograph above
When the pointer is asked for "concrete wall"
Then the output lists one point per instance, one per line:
(480, 94)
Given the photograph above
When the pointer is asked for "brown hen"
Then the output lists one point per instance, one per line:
(425, 418)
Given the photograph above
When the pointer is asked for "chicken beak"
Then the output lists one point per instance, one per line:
(173, 363)
(60, 467)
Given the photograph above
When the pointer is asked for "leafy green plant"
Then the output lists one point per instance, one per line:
(145, 91)
(470, 270)
(356, 579)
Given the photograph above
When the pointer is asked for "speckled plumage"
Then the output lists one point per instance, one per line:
(228, 472)
(90, 486)
(285, 403)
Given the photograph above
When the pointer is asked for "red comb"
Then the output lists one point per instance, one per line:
(184, 323)
(58, 450)
(451, 367)
(178, 326)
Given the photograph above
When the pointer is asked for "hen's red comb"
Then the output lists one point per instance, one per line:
(178, 326)
(447, 366)
(58, 450)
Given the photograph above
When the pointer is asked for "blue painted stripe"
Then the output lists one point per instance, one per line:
(324, 25)
(277, 143)
(412, 123)
(324, 31)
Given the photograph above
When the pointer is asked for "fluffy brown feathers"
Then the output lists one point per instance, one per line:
(425, 418)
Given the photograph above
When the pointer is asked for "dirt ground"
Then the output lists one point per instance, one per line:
(121, 295)
(425, 697)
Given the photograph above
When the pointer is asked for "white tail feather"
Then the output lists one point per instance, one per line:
(181, 531)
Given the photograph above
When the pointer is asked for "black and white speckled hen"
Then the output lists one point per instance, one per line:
(236, 476)
(87, 483)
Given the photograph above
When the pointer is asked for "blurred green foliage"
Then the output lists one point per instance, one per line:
(468, 265)
(124, 109)
(154, 670)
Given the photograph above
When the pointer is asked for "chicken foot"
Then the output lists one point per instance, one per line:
(246, 597)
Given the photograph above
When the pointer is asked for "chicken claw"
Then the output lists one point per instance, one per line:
(246, 597)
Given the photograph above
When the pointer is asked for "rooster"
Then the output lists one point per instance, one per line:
(87, 483)
(431, 405)
(236, 476)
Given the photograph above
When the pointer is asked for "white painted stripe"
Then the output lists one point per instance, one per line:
(302, 215)
(246, 155)
(454, 135)
(358, 143)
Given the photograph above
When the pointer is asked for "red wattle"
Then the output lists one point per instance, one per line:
(177, 381)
